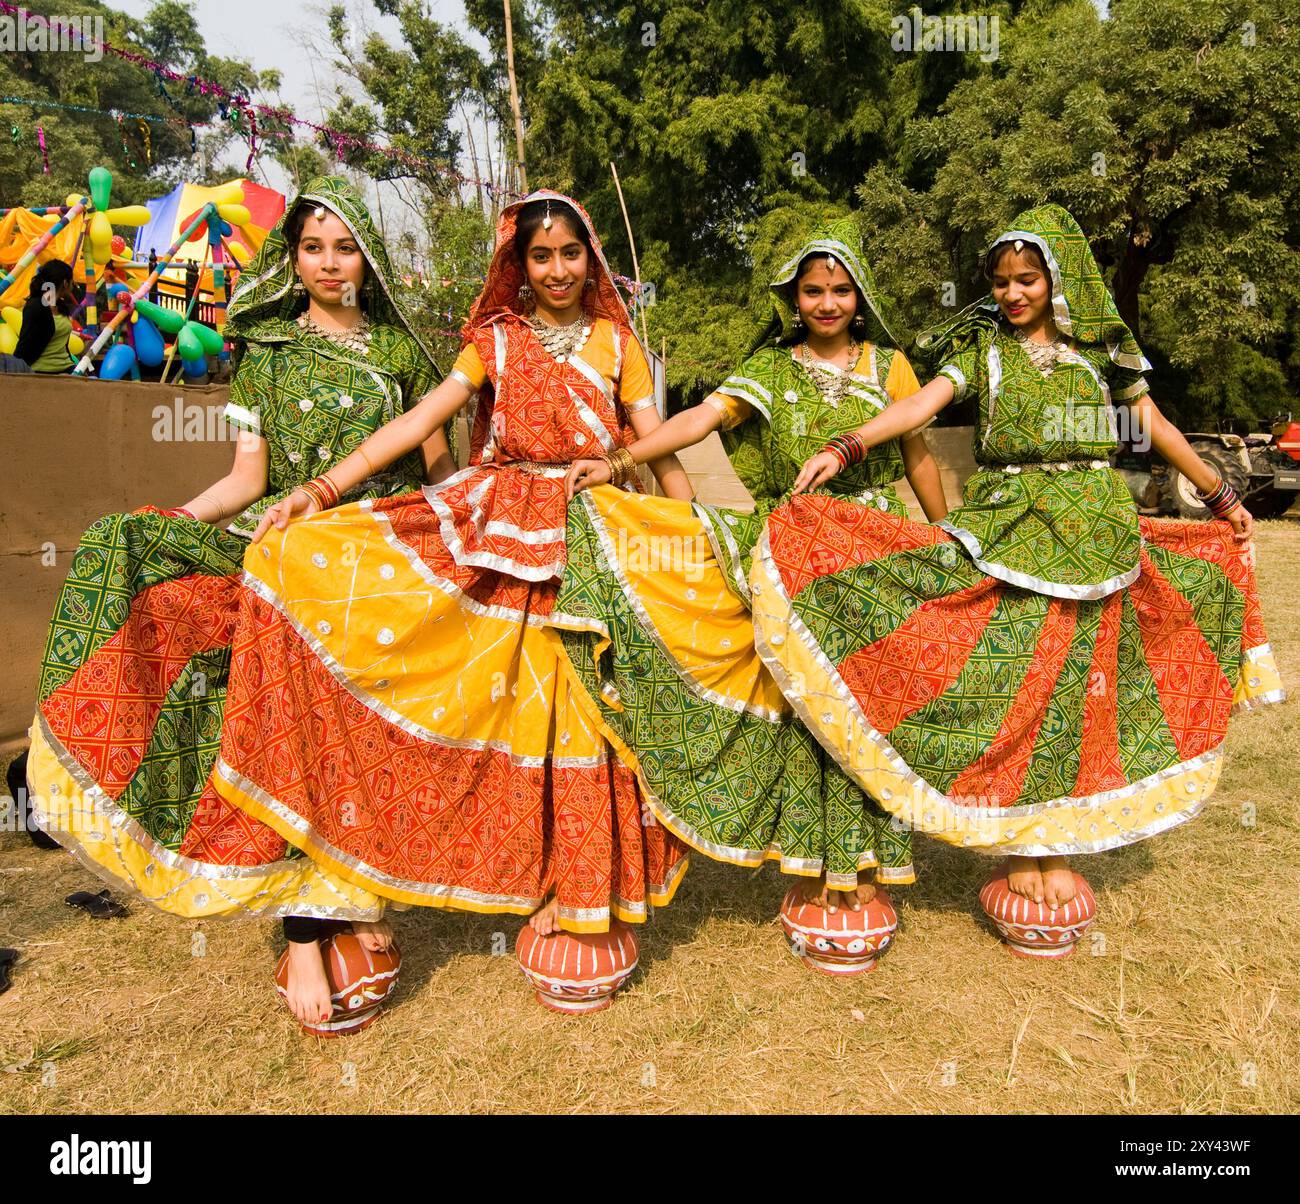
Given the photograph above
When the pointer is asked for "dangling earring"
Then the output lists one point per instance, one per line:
(526, 293)
(298, 287)
(589, 283)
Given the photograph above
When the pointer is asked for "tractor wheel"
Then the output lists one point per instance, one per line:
(1180, 493)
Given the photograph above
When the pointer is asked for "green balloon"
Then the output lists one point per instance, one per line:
(168, 320)
(188, 344)
(101, 185)
(211, 340)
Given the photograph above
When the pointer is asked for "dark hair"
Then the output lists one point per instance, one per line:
(53, 271)
(38, 319)
(534, 213)
(998, 251)
(297, 219)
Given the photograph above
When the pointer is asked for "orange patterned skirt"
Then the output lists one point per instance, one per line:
(399, 715)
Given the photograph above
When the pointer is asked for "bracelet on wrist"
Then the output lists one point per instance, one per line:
(622, 467)
(1221, 500)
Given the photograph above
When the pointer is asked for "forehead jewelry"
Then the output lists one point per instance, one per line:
(320, 213)
(830, 263)
(1019, 245)
(546, 221)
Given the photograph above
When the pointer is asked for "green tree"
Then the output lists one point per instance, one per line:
(76, 141)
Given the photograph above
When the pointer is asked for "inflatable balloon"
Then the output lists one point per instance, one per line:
(117, 363)
(101, 184)
(236, 215)
(130, 215)
(101, 235)
(188, 343)
(119, 245)
(168, 320)
(8, 339)
(116, 290)
(149, 346)
(200, 233)
(239, 251)
(229, 194)
(210, 340)
(76, 344)
(13, 317)
(194, 368)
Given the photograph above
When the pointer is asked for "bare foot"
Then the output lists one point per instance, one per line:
(1024, 878)
(813, 890)
(374, 937)
(545, 921)
(1058, 881)
(863, 894)
(308, 992)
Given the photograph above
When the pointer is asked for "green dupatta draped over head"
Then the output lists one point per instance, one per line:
(1082, 306)
(264, 305)
(840, 238)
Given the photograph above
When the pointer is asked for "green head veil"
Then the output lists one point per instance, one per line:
(1082, 306)
(840, 239)
(264, 305)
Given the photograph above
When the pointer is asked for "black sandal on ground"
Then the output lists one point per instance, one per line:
(101, 906)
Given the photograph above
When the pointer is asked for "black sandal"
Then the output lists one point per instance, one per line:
(101, 906)
(7, 959)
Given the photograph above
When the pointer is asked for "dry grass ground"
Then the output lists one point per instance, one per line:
(1189, 1006)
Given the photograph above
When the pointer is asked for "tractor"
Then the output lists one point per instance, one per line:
(1264, 468)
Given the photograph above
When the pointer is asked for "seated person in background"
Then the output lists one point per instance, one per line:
(46, 328)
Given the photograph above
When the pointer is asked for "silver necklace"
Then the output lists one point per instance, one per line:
(560, 342)
(355, 338)
(1043, 356)
(832, 382)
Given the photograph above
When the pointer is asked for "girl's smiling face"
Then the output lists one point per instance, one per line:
(826, 297)
(556, 265)
(1020, 285)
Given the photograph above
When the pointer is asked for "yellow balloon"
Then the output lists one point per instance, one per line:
(76, 344)
(229, 194)
(239, 251)
(13, 318)
(130, 215)
(72, 198)
(101, 235)
(8, 340)
(236, 215)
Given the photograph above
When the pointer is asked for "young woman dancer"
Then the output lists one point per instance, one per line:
(682, 692)
(1044, 672)
(396, 707)
(134, 683)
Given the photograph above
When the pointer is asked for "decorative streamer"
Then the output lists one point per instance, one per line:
(252, 141)
(126, 146)
(45, 156)
(148, 141)
(226, 99)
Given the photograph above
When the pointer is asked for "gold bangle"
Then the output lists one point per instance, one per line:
(622, 467)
